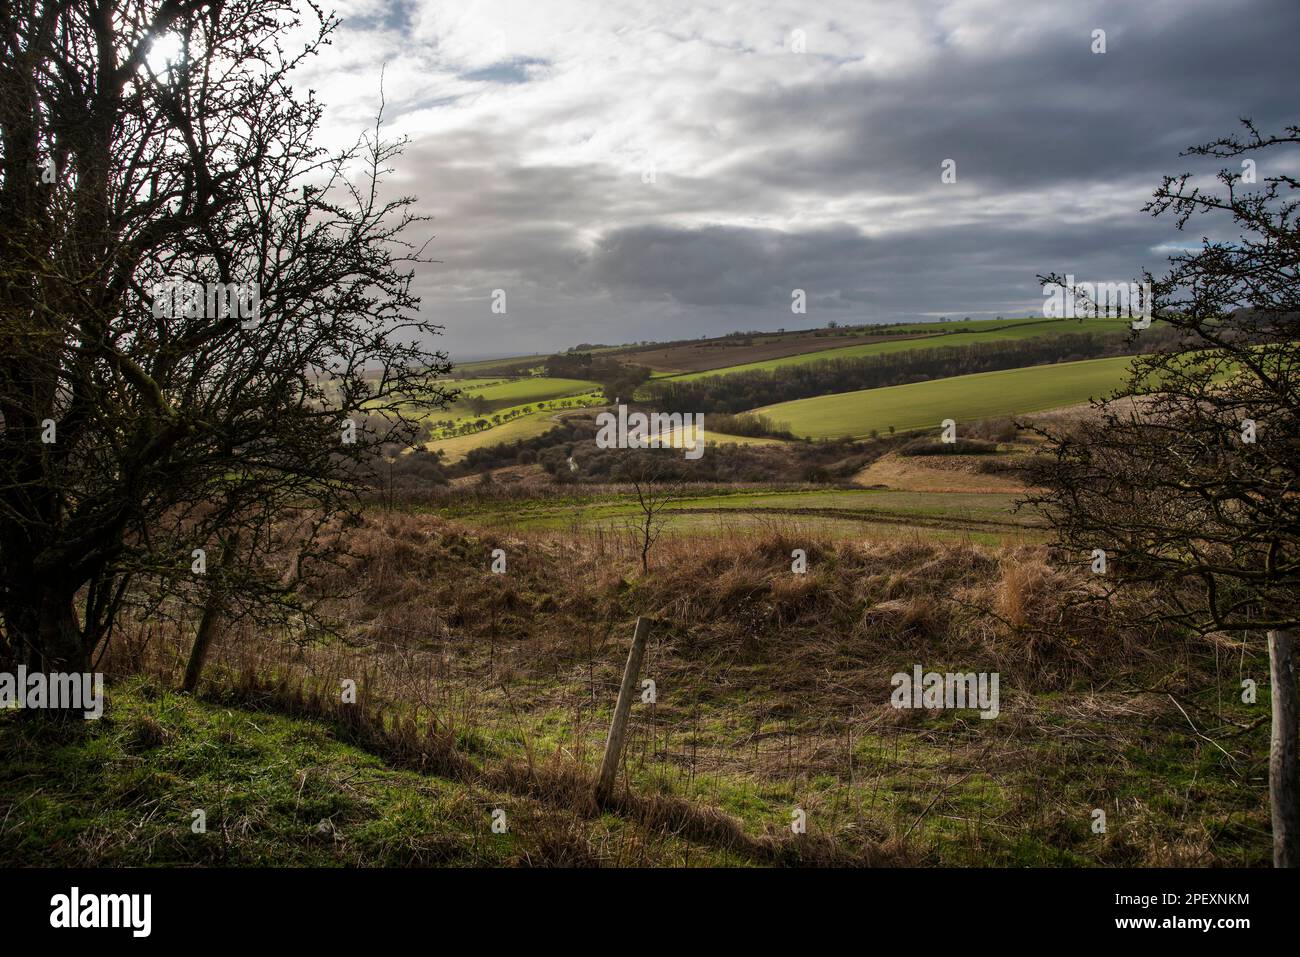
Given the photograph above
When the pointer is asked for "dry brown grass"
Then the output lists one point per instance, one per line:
(936, 474)
(463, 673)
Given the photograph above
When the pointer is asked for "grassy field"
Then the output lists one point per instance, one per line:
(961, 334)
(485, 693)
(481, 693)
(522, 427)
(923, 405)
(722, 438)
(505, 393)
(515, 402)
(721, 511)
(276, 791)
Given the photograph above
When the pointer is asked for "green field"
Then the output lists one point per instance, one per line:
(834, 513)
(515, 401)
(524, 427)
(503, 393)
(923, 405)
(955, 334)
(824, 416)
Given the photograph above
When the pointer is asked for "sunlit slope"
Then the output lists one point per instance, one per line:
(501, 393)
(923, 405)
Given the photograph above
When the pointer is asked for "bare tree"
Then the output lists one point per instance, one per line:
(1187, 477)
(145, 419)
(656, 489)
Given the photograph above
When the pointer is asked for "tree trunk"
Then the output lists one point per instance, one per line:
(202, 641)
(44, 634)
(58, 646)
(1282, 765)
(212, 612)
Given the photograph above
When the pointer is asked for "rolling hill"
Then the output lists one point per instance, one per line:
(923, 405)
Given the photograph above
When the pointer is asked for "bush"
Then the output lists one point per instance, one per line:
(1002, 429)
(960, 447)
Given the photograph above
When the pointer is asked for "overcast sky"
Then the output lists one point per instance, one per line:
(659, 170)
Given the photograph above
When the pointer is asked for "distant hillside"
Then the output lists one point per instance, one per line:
(742, 351)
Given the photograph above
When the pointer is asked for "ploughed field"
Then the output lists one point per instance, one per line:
(960, 335)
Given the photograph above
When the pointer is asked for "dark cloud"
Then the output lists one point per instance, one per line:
(1053, 112)
(904, 274)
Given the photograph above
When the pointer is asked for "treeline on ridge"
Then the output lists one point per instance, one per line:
(740, 391)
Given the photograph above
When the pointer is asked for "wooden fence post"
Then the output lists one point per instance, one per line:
(1283, 767)
(618, 724)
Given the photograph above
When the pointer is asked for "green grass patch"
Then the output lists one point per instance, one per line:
(968, 398)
